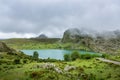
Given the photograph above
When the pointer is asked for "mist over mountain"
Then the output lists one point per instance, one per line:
(92, 33)
(106, 41)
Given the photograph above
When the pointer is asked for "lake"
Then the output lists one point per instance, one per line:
(53, 53)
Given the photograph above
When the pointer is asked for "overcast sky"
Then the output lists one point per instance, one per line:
(29, 18)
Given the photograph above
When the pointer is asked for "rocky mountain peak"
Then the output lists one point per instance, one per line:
(42, 36)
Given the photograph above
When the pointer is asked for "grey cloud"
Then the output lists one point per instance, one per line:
(53, 17)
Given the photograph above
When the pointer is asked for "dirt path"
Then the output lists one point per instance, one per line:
(109, 61)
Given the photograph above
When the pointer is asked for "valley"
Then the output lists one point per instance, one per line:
(17, 65)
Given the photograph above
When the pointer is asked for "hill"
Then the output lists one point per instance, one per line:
(5, 48)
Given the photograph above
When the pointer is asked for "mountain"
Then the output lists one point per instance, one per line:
(117, 33)
(75, 35)
(105, 42)
(42, 36)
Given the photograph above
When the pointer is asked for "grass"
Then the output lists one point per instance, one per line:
(101, 70)
(98, 68)
(115, 58)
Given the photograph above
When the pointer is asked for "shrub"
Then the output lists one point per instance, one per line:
(11, 53)
(67, 57)
(75, 55)
(89, 56)
(105, 55)
(86, 56)
(25, 61)
(5, 61)
(95, 55)
(35, 55)
(16, 61)
(19, 66)
(11, 67)
(37, 74)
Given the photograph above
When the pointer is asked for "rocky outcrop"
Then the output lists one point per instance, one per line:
(49, 66)
(52, 66)
(69, 68)
(77, 36)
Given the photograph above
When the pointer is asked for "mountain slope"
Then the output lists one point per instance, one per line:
(105, 42)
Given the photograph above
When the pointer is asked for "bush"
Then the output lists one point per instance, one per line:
(16, 61)
(86, 56)
(11, 53)
(89, 56)
(5, 61)
(105, 55)
(37, 74)
(35, 55)
(67, 57)
(25, 61)
(75, 55)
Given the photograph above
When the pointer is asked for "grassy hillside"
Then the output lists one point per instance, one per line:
(84, 70)
(42, 44)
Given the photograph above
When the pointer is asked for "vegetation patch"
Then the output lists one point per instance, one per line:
(76, 55)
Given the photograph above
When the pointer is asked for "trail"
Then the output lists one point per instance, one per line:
(109, 61)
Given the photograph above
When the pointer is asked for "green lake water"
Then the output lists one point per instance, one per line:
(54, 53)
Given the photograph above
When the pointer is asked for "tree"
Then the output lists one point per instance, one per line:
(67, 57)
(35, 55)
(75, 55)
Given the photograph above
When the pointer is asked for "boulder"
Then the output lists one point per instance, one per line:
(49, 66)
(69, 68)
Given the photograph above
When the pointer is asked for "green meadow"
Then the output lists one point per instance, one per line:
(85, 70)
(19, 66)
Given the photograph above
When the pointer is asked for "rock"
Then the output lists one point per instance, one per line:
(69, 68)
(47, 65)
(58, 70)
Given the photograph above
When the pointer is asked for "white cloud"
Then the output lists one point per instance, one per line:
(53, 17)
(16, 35)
